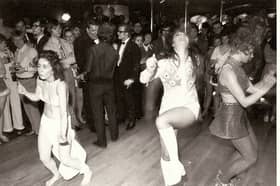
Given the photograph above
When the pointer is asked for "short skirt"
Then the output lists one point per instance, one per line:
(231, 122)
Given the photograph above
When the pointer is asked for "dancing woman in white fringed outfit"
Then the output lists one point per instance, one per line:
(56, 135)
(179, 106)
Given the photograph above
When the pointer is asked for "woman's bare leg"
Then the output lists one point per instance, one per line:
(176, 118)
(248, 157)
(79, 105)
(172, 168)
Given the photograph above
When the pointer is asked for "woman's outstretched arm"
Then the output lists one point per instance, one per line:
(228, 78)
(32, 96)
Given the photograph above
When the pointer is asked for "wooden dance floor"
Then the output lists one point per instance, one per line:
(134, 159)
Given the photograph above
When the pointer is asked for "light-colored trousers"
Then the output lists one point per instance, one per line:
(12, 110)
(31, 108)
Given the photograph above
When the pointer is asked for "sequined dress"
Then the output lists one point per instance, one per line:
(178, 84)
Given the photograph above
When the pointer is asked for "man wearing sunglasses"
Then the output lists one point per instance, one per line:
(126, 75)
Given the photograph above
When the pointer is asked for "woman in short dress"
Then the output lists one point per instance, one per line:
(231, 122)
(179, 106)
(56, 134)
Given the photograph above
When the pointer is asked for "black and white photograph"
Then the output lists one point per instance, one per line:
(138, 93)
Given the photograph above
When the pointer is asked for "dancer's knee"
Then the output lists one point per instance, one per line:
(251, 158)
(66, 160)
(45, 159)
(161, 122)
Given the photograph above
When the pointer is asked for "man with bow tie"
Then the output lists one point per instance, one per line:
(125, 76)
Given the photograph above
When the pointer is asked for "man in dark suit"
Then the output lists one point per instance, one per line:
(81, 47)
(21, 27)
(101, 64)
(38, 29)
(127, 73)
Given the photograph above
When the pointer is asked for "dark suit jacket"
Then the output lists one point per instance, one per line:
(81, 47)
(101, 63)
(39, 46)
(130, 62)
(160, 49)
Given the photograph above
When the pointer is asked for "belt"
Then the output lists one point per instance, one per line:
(25, 78)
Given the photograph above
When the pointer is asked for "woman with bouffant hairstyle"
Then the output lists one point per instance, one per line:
(56, 135)
(231, 122)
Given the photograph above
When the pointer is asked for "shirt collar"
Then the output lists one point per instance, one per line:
(125, 42)
(39, 38)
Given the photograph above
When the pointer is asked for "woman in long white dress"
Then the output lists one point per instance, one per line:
(56, 135)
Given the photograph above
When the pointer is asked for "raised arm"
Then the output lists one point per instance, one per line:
(253, 88)
(149, 73)
(229, 78)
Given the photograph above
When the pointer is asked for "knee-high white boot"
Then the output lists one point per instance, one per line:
(172, 170)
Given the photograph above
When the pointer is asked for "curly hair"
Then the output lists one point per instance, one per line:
(242, 40)
(54, 61)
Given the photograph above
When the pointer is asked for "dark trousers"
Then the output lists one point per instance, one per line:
(87, 110)
(31, 108)
(152, 99)
(138, 97)
(102, 96)
(125, 103)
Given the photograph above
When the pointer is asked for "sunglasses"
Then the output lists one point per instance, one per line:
(120, 31)
(36, 25)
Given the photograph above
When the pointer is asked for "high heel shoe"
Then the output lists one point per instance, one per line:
(82, 120)
(4, 139)
(218, 181)
(172, 172)
(87, 175)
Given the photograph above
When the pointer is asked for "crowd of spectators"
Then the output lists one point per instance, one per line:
(109, 93)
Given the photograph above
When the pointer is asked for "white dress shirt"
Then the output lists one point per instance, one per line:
(122, 47)
(25, 57)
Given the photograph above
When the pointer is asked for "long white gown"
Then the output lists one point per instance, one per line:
(50, 128)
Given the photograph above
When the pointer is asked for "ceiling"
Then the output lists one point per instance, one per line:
(170, 7)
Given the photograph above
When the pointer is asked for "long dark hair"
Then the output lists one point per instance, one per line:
(54, 61)
(191, 52)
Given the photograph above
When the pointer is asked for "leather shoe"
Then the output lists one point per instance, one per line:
(30, 133)
(4, 138)
(130, 125)
(19, 132)
(115, 137)
(99, 144)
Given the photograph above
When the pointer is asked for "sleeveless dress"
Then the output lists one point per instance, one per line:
(50, 128)
(231, 121)
(178, 82)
